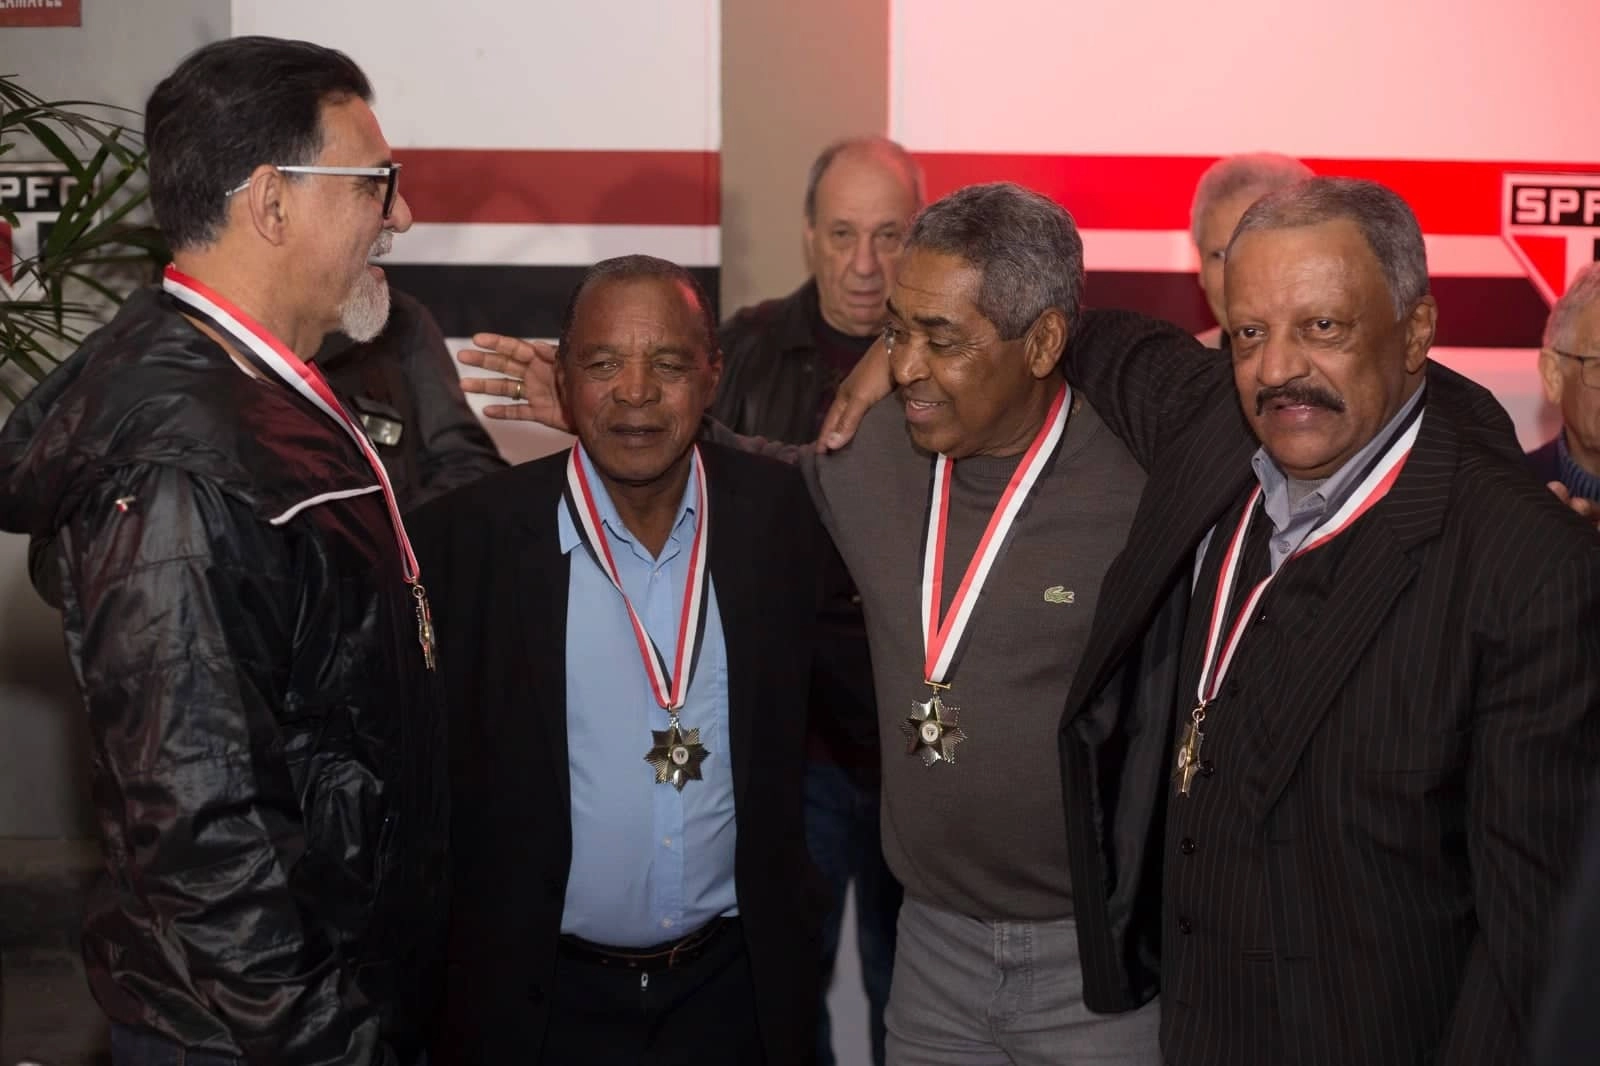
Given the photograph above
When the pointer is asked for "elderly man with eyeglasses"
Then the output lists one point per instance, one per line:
(1569, 366)
(243, 610)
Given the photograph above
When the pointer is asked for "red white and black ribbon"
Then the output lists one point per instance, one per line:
(1220, 649)
(669, 682)
(941, 639)
(271, 356)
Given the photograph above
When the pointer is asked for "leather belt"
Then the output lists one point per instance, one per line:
(651, 959)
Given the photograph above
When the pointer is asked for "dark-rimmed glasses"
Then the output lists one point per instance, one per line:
(389, 171)
(1588, 367)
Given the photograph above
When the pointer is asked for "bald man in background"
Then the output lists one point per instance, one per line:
(1223, 194)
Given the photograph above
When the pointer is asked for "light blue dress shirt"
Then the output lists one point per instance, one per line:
(649, 863)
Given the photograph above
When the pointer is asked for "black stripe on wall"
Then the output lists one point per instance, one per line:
(1473, 312)
(522, 301)
(528, 301)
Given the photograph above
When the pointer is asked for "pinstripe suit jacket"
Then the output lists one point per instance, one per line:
(1370, 871)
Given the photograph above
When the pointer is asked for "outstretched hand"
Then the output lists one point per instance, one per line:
(868, 383)
(1588, 510)
(529, 386)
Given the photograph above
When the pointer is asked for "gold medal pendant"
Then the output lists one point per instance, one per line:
(932, 730)
(424, 625)
(677, 755)
(1189, 751)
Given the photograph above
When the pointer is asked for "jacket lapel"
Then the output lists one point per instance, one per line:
(532, 696)
(1376, 568)
(1196, 481)
(732, 562)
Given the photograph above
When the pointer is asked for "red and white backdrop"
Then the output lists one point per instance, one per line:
(1116, 109)
(537, 139)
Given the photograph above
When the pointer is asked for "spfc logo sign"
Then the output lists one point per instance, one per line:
(1552, 224)
(32, 195)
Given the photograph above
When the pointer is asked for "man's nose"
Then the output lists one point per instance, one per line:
(399, 219)
(1281, 360)
(864, 261)
(907, 363)
(635, 384)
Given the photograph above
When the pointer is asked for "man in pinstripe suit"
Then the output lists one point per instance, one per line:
(1383, 755)
(1385, 738)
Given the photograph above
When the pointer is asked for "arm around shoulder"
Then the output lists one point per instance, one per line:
(1146, 378)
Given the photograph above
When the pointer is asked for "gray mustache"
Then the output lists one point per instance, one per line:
(1309, 395)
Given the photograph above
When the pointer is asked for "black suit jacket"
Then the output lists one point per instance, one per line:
(492, 561)
(1432, 729)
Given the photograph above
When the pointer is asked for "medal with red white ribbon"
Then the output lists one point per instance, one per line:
(1221, 647)
(933, 728)
(270, 356)
(677, 753)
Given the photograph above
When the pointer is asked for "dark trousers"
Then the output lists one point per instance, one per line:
(702, 1013)
(842, 834)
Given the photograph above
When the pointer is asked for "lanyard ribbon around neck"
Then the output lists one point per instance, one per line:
(270, 355)
(942, 638)
(1220, 649)
(669, 682)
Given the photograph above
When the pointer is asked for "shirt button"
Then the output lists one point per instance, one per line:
(1186, 846)
(667, 841)
(1184, 926)
(666, 923)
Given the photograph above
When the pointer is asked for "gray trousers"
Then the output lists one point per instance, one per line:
(976, 993)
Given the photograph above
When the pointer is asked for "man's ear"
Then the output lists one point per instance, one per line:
(1045, 342)
(1550, 376)
(1421, 325)
(266, 201)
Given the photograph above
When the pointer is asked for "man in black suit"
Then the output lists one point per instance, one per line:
(1386, 735)
(1389, 695)
(626, 639)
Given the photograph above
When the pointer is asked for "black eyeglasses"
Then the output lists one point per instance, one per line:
(389, 171)
(1588, 367)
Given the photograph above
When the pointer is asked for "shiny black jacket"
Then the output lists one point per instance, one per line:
(267, 755)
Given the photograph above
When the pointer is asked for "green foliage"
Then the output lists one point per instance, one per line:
(96, 250)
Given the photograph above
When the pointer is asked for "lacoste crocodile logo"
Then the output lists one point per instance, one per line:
(1060, 594)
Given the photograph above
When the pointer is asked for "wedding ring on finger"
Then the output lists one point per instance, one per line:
(517, 390)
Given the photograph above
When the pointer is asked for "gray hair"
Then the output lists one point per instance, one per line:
(1025, 244)
(1257, 172)
(1388, 225)
(882, 145)
(1584, 290)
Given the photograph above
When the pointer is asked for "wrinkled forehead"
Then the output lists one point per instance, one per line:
(1329, 261)
(660, 311)
(351, 133)
(933, 283)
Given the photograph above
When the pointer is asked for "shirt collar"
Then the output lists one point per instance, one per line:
(616, 531)
(1333, 492)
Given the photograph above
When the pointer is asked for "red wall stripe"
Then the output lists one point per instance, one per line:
(1154, 192)
(1103, 192)
(562, 187)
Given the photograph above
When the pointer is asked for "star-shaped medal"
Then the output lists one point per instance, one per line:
(677, 755)
(932, 731)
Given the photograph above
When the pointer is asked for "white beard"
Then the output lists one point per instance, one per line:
(366, 310)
